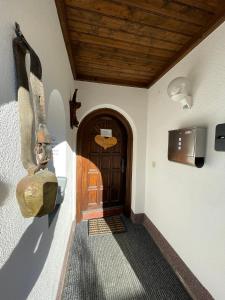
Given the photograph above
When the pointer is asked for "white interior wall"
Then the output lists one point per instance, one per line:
(132, 103)
(185, 203)
(31, 253)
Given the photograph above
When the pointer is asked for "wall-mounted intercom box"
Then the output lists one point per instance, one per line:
(220, 137)
(187, 146)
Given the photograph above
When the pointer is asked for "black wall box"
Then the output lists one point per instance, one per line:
(220, 137)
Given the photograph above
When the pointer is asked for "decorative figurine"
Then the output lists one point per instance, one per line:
(74, 105)
(36, 193)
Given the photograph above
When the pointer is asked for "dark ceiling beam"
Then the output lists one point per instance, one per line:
(113, 81)
(113, 74)
(60, 5)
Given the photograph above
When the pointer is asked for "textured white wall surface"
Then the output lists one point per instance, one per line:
(185, 203)
(31, 252)
(132, 103)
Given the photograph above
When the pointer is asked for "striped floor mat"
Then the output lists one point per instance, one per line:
(107, 225)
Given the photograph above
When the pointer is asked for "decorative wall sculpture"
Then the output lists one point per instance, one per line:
(105, 142)
(74, 105)
(36, 193)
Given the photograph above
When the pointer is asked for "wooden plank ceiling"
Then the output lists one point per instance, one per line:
(133, 42)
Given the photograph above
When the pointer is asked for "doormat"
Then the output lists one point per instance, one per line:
(107, 225)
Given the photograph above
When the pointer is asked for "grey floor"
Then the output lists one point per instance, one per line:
(121, 266)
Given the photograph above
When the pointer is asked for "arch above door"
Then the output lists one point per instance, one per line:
(82, 157)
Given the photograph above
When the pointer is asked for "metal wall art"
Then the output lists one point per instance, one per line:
(74, 105)
(36, 192)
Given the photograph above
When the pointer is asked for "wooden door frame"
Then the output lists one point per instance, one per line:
(83, 123)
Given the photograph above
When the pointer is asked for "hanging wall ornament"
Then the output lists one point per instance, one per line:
(74, 105)
(36, 193)
(105, 142)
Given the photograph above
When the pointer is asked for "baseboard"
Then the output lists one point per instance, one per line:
(193, 286)
(65, 261)
(137, 218)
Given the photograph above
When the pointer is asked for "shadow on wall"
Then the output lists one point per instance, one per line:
(23, 267)
(21, 271)
(4, 192)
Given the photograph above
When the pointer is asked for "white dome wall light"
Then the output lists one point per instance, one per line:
(179, 90)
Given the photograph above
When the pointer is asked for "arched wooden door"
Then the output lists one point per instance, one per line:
(104, 158)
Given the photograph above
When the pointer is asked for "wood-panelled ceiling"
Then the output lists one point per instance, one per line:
(133, 42)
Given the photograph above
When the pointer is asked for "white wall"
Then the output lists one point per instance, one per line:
(132, 103)
(31, 253)
(185, 203)
(57, 131)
